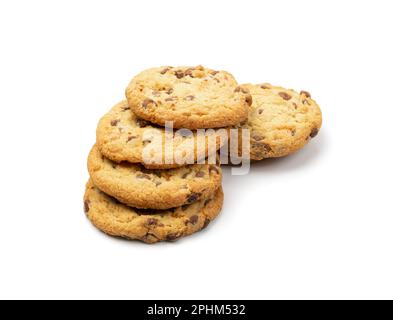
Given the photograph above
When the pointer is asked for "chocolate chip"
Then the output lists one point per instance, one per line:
(194, 219)
(214, 168)
(193, 197)
(86, 206)
(179, 74)
(142, 123)
(249, 99)
(143, 176)
(126, 108)
(189, 72)
(241, 89)
(314, 132)
(293, 132)
(285, 95)
(189, 98)
(247, 92)
(151, 222)
(172, 236)
(294, 104)
(158, 183)
(307, 94)
(148, 102)
(200, 174)
(266, 148)
(260, 111)
(265, 86)
(146, 142)
(262, 149)
(206, 223)
(148, 238)
(130, 138)
(114, 123)
(185, 175)
(169, 91)
(114, 166)
(214, 72)
(257, 138)
(163, 71)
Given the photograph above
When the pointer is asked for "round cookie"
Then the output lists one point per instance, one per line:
(191, 97)
(121, 136)
(138, 187)
(281, 121)
(149, 226)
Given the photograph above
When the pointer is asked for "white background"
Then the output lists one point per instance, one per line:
(318, 224)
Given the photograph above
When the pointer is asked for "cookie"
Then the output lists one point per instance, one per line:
(191, 97)
(122, 136)
(149, 226)
(281, 121)
(138, 187)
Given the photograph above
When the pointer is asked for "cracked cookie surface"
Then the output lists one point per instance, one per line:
(138, 187)
(281, 121)
(122, 136)
(149, 226)
(191, 97)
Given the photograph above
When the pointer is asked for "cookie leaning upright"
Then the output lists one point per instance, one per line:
(191, 97)
(281, 121)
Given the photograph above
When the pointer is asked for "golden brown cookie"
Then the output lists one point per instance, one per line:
(281, 121)
(138, 187)
(149, 226)
(121, 136)
(191, 97)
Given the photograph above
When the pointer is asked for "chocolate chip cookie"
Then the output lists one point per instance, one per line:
(122, 136)
(281, 121)
(191, 97)
(138, 187)
(149, 226)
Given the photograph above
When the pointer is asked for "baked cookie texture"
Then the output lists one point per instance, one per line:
(191, 97)
(145, 183)
(122, 136)
(138, 187)
(281, 121)
(149, 226)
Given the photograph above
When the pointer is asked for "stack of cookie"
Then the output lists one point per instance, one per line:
(129, 195)
(152, 183)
